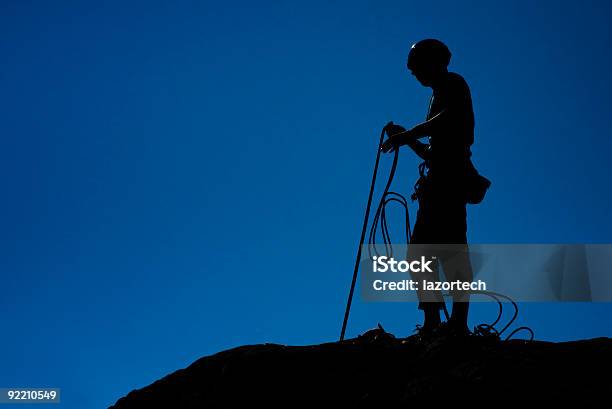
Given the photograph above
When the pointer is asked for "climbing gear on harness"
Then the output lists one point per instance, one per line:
(421, 184)
(475, 188)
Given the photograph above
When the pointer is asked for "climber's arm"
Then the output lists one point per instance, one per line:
(406, 137)
(431, 126)
(420, 148)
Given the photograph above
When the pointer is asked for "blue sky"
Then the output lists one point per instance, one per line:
(157, 156)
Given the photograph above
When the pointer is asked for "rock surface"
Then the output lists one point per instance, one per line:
(377, 370)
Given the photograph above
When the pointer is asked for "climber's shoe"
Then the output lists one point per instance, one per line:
(449, 329)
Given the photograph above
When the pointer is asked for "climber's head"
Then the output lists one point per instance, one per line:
(428, 60)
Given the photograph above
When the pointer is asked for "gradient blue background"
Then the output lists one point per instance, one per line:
(179, 178)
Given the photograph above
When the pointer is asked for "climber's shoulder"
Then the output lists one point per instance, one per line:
(456, 81)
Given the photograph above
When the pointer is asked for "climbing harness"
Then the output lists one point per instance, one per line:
(380, 220)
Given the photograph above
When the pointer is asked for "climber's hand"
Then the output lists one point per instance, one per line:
(394, 140)
(392, 129)
(389, 145)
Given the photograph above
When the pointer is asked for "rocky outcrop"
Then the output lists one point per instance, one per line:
(377, 370)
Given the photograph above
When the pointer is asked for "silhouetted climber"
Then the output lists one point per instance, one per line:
(441, 190)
